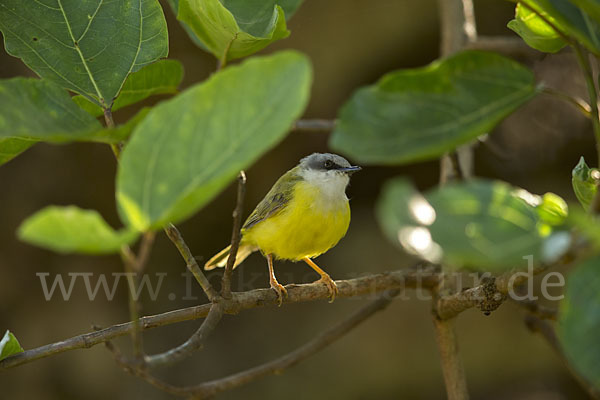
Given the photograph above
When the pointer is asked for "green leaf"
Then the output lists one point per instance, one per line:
(586, 224)
(585, 183)
(39, 109)
(9, 345)
(481, 224)
(73, 230)
(218, 29)
(11, 147)
(86, 46)
(591, 7)
(161, 77)
(190, 147)
(571, 20)
(535, 31)
(579, 321)
(419, 114)
(553, 210)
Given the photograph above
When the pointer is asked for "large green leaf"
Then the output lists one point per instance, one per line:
(161, 77)
(9, 345)
(10, 147)
(217, 28)
(535, 31)
(40, 109)
(418, 114)
(579, 321)
(571, 20)
(188, 148)
(73, 230)
(87, 46)
(487, 225)
(585, 182)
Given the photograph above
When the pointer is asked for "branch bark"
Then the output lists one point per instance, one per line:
(191, 263)
(423, 277)
(452, 366)
(236, 236)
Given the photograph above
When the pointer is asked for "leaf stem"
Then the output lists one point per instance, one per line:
(583, 60)
(580, 104)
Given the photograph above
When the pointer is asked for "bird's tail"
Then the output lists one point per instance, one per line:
(220, 259)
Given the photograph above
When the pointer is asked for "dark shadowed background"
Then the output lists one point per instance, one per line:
(393, 355)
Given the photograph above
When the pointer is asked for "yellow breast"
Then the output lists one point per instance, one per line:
(310, 224)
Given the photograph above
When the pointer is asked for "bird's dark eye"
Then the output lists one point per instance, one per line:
(328, 164)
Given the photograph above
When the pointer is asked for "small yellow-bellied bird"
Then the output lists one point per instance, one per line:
(304, 214)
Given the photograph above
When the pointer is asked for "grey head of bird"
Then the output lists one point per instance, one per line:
(328, 171)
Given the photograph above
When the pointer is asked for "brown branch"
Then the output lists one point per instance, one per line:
(236, 236)
(193, 344)
(324, 125)
(452, 366)
(191, 262)
(423, 277)
(511, 46)
(321, 341)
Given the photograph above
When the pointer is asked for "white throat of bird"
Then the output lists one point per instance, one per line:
(332, 184)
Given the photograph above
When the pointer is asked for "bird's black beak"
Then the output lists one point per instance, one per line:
(350, 170)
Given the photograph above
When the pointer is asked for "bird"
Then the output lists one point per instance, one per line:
(305, 214)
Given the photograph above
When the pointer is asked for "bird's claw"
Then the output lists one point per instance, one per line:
(331, 287)
(280, 290)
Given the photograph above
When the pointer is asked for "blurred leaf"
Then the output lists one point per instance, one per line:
(120, 133)
(39, 109)
(553, 210)
(86, 46)
(579, 321)
(73, 230)
(586, 224)
(9, 345)
(591, 7)
(218, 29)
(534, 31)
(419, 114)
(571, 20)
(481, 224)
(10, 147)
(190, 147)
(585, 180)
(161, 77)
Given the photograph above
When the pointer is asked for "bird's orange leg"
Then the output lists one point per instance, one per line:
(325, 278)
(279, 289)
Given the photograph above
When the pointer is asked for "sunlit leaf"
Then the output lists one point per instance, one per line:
(73, 230)
(86, 46)
(535, 31)
(419, 114)
(161, 77)
(579, 321)
(9, 345)
(487, 225)
(189, 148)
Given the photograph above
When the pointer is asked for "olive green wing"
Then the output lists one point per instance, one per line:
(276, 200)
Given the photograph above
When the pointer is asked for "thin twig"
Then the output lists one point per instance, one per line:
(579, 104)
(190, 261)
(236, 236)
(318, 343)
(452, 366)
(277, 366)
(511, 46)
(130, 264)
(324, 125)
(193, 344)
(425, 277)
